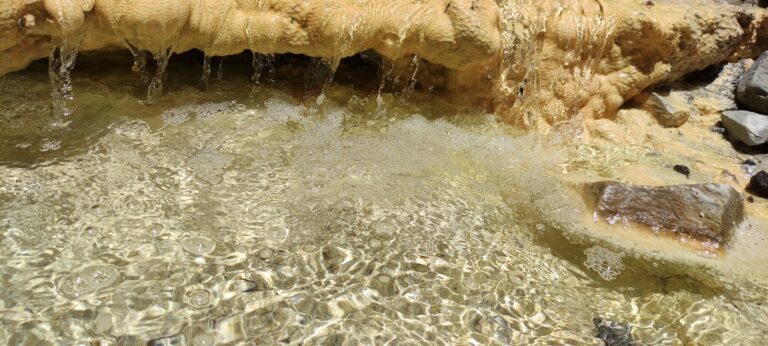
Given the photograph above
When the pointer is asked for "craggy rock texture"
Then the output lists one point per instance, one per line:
(747, 127)
(538, 62)
(707, 212)
(586, 58)
(752, 91)
(458, 34)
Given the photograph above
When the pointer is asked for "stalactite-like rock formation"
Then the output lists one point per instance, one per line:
(537, 63)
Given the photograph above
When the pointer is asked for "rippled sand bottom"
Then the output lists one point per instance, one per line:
(239, 215)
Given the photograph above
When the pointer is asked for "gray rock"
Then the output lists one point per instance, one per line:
(745, 126)
(670, 109)
(613, 333)
(706, 212)
(752, 92)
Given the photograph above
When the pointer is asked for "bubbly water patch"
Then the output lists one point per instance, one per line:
(50, 145)
(604, 262)
(88, 280)
(132, 129)
(198, 245)
(282, 111)
(179, 115)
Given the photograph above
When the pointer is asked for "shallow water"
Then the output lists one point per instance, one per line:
(239, 215)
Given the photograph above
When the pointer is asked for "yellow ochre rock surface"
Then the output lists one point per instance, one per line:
(538, 62)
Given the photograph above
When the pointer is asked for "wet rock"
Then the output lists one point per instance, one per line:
(682, 169)
(745, 126)
(758, 185)
(752, 92)
(613, 333)
(671, 109)
(706, 212)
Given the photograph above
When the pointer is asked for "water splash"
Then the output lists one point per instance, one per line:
(61, 61)
(155, 90)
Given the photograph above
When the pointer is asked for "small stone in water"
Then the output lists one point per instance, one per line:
(684, 170)
(198, 245)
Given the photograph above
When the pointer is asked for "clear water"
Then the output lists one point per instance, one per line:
(239, 216)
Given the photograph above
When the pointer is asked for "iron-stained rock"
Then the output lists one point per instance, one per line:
(670, 109)
(706, 212)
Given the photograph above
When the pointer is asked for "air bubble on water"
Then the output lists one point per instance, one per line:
(199, 298)
(374, 243)
(384, 278)
(198, 245)
(50, 145)
(88, 280)
(276, 233)
(604, 262)
(266, 253)
(384, 229)
(204, 339)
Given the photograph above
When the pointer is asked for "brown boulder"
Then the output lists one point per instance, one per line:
(706, 212)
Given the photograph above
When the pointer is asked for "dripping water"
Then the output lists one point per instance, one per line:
(321, 71)
(61, 61)
(205, 80)
(220, 71)
(155, 90)
(259, 63)
(140, 58)
(412, 82)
